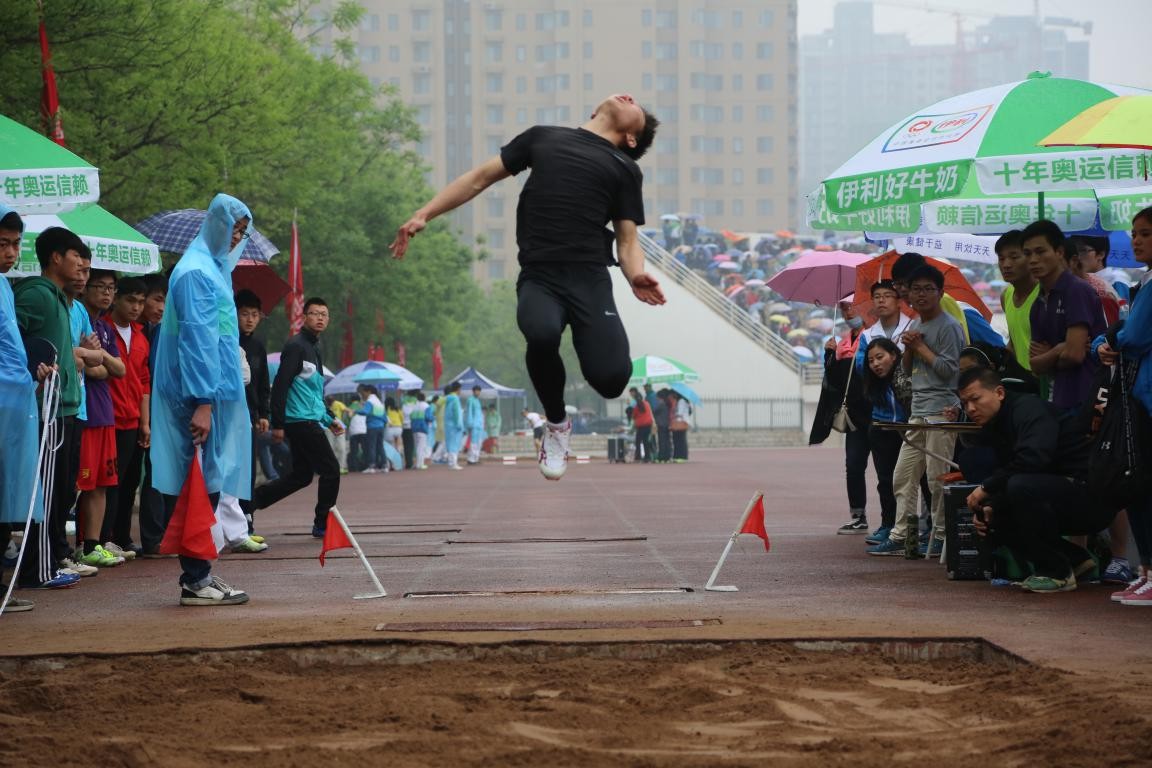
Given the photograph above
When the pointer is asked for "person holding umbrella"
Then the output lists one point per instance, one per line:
(582, 179)
(198, 397)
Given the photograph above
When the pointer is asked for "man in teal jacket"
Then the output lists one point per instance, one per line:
(299, 414)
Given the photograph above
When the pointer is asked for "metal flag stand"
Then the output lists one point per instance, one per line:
(356, 547)
(711, 585)
(42, 478)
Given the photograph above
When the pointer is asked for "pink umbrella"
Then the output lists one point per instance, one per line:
(818, 277)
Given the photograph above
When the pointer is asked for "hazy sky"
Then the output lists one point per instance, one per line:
(1121, 40)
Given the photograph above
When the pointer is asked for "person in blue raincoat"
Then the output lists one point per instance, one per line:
(197, 387)
(475, 424)
(453, 425)
(19, 420)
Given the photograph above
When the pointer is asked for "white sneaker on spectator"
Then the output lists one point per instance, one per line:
(215, 593)
(119, 551)
(80, 569)
(554, 450)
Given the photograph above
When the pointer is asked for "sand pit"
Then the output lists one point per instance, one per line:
(533, 704)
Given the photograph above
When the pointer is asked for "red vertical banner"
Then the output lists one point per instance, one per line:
(376, 352)
(295, 304)
(348, 354)
(437, 364)
(401, 353)
(49, 99)
(371, 351)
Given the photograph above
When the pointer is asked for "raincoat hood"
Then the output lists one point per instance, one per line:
(215, 237)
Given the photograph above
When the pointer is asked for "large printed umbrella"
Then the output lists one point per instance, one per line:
(972, 212)
(37, 175)
(174, 231)
(991, 134)
(114, 244)
(818, 277)
(651, 369)
(1122, 122)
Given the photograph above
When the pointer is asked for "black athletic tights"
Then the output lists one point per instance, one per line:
(579, 295)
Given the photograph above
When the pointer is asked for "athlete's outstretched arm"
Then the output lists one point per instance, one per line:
(631, 256)
(451, 197)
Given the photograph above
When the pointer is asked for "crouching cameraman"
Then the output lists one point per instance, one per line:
(1037, 494)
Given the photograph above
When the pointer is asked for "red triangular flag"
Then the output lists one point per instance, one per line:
(334, 537)
(189, 532)
(295, 303)
(49, 99)
(754, 523)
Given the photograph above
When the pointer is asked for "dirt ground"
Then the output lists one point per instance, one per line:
(692, 706)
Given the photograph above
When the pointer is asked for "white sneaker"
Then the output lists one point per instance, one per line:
(80, 569)
(119, 551)
(216, 593)
(554, 450)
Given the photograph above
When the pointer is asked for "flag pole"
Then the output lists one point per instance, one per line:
(356, 546)
(711, 585)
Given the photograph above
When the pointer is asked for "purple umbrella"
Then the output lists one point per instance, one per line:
(818, 277)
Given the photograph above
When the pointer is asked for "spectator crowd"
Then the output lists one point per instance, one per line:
(1045, 431)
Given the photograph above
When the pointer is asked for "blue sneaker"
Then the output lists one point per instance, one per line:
(59, 580)
(1117, 572)
(934, 551)
(887, 548)
(878, 536)
(317, 532)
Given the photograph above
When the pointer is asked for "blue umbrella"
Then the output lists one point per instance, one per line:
(381, 377)
(686, 391)
(174, 231)
(1120, 251)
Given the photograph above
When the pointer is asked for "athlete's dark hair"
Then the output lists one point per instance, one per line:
(987, 377)
(644, 138)
(58, 240)
(128, 286)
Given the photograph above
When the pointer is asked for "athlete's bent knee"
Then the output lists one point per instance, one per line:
(610, 384)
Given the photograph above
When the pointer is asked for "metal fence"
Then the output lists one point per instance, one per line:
(744, 413)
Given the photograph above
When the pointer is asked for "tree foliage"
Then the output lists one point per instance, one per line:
(175, 100)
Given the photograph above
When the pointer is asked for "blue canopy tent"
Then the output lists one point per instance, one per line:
(470, 377)
(489, 389)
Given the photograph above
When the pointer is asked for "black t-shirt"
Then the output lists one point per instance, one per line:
(579, 183)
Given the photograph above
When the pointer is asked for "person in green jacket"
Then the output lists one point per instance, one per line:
(43, 313)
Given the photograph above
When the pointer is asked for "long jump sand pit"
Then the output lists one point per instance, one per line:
(529, 703)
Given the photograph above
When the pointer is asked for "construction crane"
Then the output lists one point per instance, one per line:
(961, 75)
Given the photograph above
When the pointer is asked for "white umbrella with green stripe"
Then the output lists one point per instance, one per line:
(37, 175)
(652, 369)
(990, 135)
(114, 244)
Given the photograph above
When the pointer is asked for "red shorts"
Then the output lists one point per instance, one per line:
(97, 459)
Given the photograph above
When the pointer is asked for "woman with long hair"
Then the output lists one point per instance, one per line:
(888, 389)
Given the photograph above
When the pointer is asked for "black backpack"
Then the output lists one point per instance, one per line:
(1120, 454)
